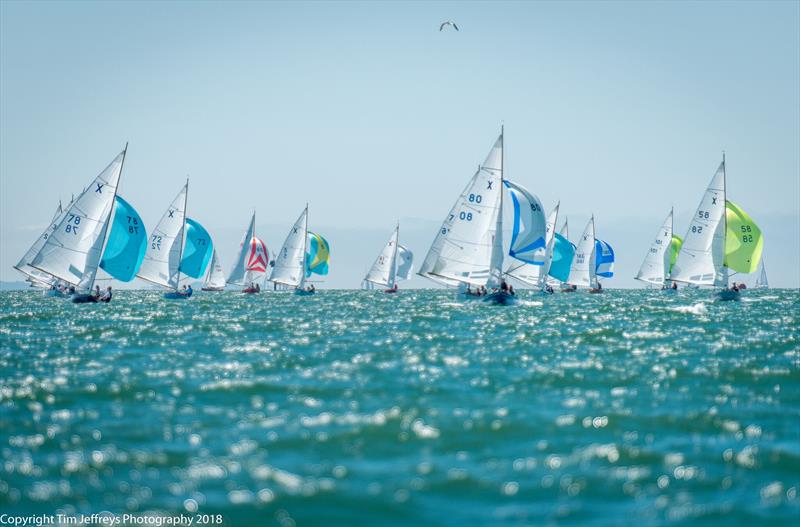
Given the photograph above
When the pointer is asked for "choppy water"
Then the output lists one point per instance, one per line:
(360, 408)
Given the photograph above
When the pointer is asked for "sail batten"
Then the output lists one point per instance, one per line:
(72, 252)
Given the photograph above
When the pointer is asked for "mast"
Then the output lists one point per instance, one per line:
(110, 213)
(183, 233)
(669, 243)
(394, 256)
(305, 253)
(724, 215)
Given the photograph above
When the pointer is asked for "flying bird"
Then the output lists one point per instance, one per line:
(448, 23)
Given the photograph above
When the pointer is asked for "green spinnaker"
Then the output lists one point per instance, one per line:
(743, 240)
(674, 249)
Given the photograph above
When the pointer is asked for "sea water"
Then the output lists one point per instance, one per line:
(361, 408)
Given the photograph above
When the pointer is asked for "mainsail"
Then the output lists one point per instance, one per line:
(215, 279)
(126, 243)
(701, 256)
(384, 270)
(290, 265)
(72, 252)
(582, 272)
(162, 260)
(468, 247)
(24, 265)
(656, 264)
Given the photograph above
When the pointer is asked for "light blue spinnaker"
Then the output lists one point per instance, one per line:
(126, 243)
(604, 259)
(528, 237)
(197, 251)
(563, 253)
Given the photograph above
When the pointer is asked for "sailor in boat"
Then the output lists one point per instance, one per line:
(97, 292)
(393, 289)
(675, 285)
(548, 289)
(106, 296)
(71, 290)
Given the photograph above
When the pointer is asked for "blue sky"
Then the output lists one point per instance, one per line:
(370, 114)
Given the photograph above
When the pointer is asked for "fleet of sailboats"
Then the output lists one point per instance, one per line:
(101, 230)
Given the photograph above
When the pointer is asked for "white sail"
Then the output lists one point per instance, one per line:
(36, 276)
(238, 269)
(536, 275)
(405, 263)
(290, 261)
(655, 266)
(761, 281)
(468, 247)
(216, 277)
(162, 260)
(384, 269)
(582, 271)
(72, 252)
(702, 253)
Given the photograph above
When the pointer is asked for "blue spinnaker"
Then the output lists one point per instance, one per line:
(563, 253)
(604, 259)
(198, 250)
(126, 243)
(528, 236)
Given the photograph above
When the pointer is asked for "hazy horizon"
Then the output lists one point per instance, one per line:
(371, 114)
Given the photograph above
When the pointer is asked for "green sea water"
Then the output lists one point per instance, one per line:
(360, 408)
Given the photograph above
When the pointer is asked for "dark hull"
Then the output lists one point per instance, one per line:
(728, 294)
(303, 292)
(176, 296)
(84, 299)
(500, 298)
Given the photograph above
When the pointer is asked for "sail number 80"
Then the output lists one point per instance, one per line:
(475, 198)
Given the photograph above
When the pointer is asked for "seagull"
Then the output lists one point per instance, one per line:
(448, 23)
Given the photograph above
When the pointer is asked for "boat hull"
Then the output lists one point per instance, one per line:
(303, 292)
(55, 293)
(728, 294)
(500, 298)
(212, 289)
(84, 298)
(172, 295)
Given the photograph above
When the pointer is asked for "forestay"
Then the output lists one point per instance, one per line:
(162, 260)
(468, 247)
(72, 252)
(701, 257)
(290, 262)
(126, 243)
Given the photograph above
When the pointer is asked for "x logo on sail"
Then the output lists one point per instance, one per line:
(99, 188)
(171, 212)
(489, 185)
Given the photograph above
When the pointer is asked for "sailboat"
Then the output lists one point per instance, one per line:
(721, 238)
(303, 253)
(561, 261)
(392, 265)
(73, 250)
(761, 281)
(177, 245)
(250, 268)
(658, 261)
(468, 249)
(215, 279)
(537, 275)
(35, 277)
(594, 258)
